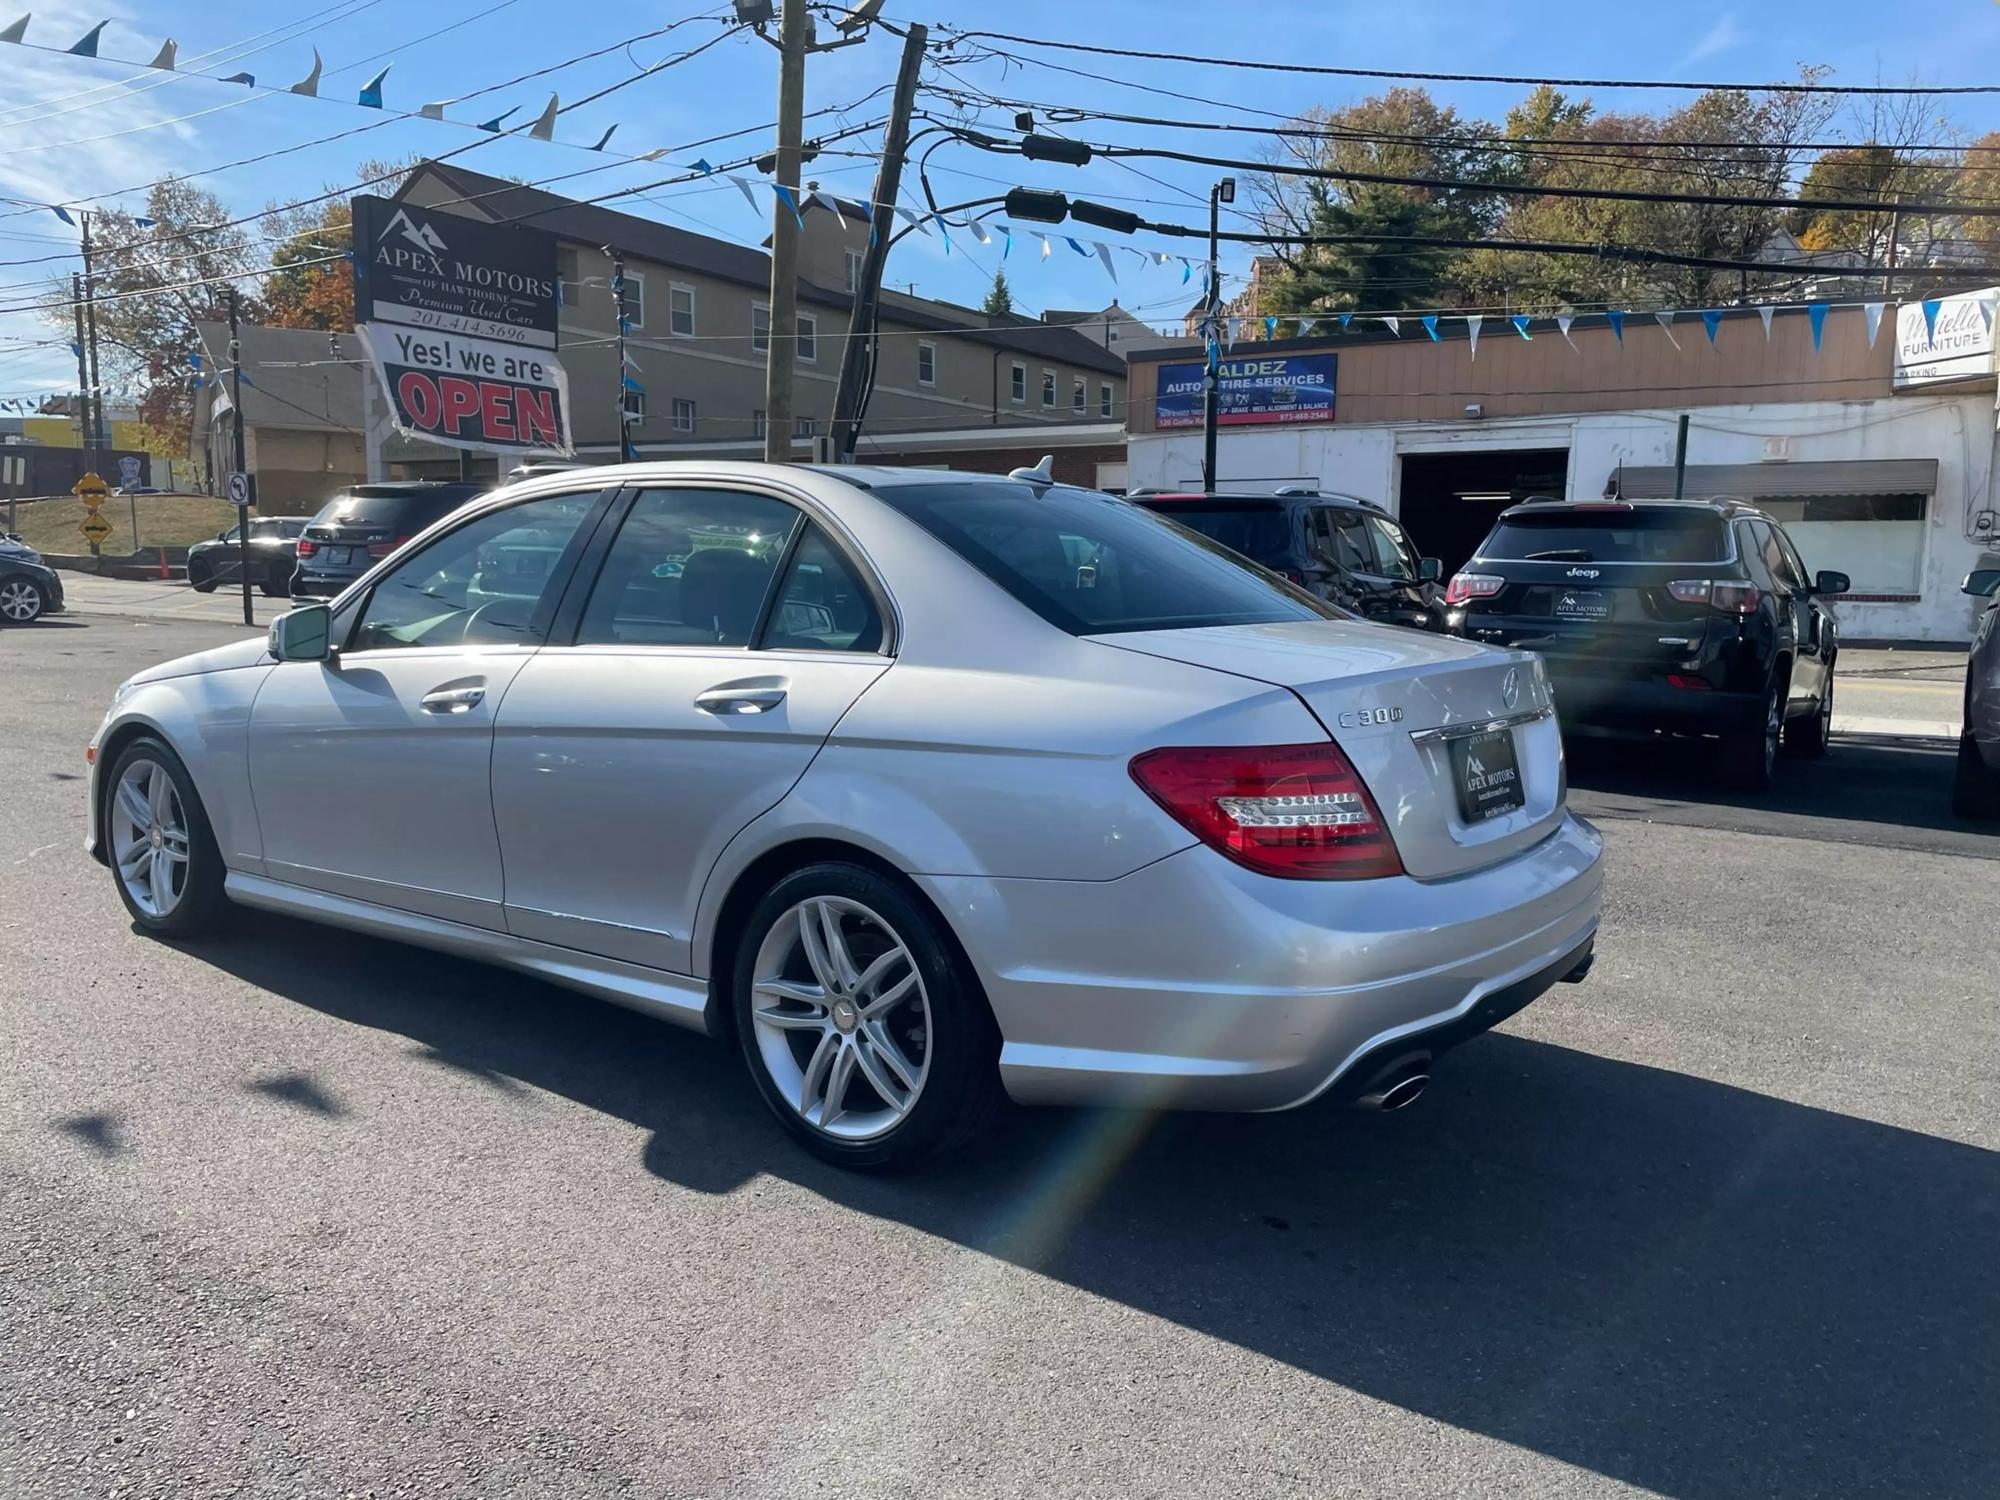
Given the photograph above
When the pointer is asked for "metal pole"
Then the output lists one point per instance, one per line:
(102, 438)
(1680, 456)
(1212, 375)
(782, 355)
(858, 358)
(627, 453)
(242, 467)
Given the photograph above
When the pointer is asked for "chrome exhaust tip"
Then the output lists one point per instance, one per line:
(1396, 1093)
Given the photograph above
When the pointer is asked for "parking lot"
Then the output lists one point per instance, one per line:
(303, 1213)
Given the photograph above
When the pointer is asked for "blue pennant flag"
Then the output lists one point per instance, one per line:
(1008, 248)
(605, 139)
(145, 223)
(194, 359)
(1617, 321)
(1077, 248)
(790, 200)
(1431, 326)
(494, 123)
(62, 213)
(633, 385)
(87, 45)
(76, 349)
(248, 80)
(1520, 322)
(1187, 270)
(1712, 321)
(701, 165)
(1270, 328)
(1931, 306)
(1345, 319)
(627, 449)
(371, 91)
(624, 324)
(1816, 315)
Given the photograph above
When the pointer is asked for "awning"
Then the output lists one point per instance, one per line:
(1861, 476)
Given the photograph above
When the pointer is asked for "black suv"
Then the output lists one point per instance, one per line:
(273, 540)
(1683, 616)
(363, 524)
(1346, 551)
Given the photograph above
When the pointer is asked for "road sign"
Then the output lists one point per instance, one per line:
(128, 469)
(90, 490)
(242, 488)
(94, 528)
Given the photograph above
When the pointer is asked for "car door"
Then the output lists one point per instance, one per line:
(1823, 629)
(714, 647)
(370, 769)
(1796, 604)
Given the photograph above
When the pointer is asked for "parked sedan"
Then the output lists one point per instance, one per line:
(274, 544)
(862, 770)
(29, 588)
(1976, 787)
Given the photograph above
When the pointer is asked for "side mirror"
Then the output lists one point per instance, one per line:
(302, 634)
(1430, 569)
(1826, 581)
(222, 535)
(1983, 583)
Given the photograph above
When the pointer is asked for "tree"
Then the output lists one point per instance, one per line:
(999, 301)
(305, 289)
(1380, 273)
(154, 282)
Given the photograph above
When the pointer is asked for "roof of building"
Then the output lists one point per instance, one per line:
(664, 245)
(291, 377)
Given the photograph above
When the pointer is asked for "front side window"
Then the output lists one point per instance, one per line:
(822, 603)
(1389, 551)
(680, 311)
(760, 328)
(688, 568)
(481, 584)
(1090, 564)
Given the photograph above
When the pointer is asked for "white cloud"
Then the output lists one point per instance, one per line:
(1723, 36)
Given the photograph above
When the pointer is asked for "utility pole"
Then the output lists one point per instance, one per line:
(627, 451)
(1223, 192)
(242, 467)
(84, 436)
(781, 357)
(1681, 456)
(857, 360)
(100, 439)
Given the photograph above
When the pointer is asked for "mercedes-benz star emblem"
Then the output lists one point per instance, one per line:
(1510, 687)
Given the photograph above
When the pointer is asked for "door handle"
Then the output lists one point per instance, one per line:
(453, 700)
(739, 700)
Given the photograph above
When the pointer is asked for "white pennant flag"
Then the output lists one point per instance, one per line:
(544, 128)
(1563, 320)
(1872, 311)
(1235, 327)
(1666, 322)
(1985, 306)
(743, 187)
(1045, 244)
(827, 201)
(1472, 322)
(979, 231)
(309, 85)
(1765, 314)
(1395, 326)
(1306, 327)
(917, 222)
(1104, 254)
(434, 111)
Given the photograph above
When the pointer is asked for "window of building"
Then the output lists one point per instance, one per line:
(635, 406)
(635, 298)
(569, 275)
(1105, 404)
(1017, 386)
(760, 328)
(854, 270)
(926, 362)
(683, 414)
(1076, 394)
(756, 424)
(680, 311)
(1049, 388)
(805, 427)
(1111, 335)
(808, 339)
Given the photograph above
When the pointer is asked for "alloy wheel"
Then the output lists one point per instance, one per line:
(20, 601)
(149, 838)
(842, 1019)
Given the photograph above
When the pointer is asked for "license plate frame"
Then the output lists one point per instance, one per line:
(1583, 606)
(1486, 775)
(336, 556)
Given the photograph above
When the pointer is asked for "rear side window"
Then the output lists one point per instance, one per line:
(1260, 530)
(1640, 535)
(822, 603)
(1092, 565)
(688, 568)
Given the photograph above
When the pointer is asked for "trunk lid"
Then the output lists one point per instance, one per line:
(1395, 701)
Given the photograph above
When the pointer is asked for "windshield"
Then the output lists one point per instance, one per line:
(1257, 528)
(1093, 565)
(1658, 535)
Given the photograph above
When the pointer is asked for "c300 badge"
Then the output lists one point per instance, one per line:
(1361, 718)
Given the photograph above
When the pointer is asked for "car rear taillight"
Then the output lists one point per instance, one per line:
(1690, 590)
(380, 550)
(1297, 811)
(1465, 587)
(1734, 598)
(307, 547)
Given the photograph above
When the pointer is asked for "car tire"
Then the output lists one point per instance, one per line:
(1807, 739)
(21, 601)
(1750, 756)
(870, 1092)
(171, 884)
(1975, 786)
(201, 580)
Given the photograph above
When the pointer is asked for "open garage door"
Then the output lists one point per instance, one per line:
(1449, 501)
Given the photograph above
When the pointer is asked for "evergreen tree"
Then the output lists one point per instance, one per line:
(999, 298)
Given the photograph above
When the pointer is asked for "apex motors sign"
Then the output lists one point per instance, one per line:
(1251, 391)
(459, 319)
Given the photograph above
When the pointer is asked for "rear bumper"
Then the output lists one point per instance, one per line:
(311, 585)
(1194, 983)
(1591, 700)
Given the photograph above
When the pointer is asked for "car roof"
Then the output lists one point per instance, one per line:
(1717, 505)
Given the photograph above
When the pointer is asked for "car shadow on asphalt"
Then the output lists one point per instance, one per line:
(1686, 1286)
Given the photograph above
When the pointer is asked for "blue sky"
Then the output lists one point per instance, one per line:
(71, 128)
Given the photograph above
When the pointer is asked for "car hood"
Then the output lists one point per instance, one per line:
(245, 653)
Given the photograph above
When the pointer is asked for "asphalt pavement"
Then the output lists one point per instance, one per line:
(305, 1214)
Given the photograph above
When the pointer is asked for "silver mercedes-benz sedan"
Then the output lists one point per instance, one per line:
(924, 789)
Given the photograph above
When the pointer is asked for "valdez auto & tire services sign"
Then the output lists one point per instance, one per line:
(459, 320)
(1251, 391)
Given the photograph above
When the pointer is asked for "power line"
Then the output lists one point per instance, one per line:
(1322, 70)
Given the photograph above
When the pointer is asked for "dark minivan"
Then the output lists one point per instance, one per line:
(1694, 617)
(1347, 551)
(363, 524)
